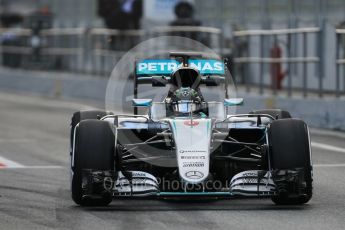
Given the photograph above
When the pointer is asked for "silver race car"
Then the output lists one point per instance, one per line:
(189, 143)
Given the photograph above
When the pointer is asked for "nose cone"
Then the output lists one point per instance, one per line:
(192, 138)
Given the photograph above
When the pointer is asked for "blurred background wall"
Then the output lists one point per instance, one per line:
(91, 35)
(220, 13)
(277, 50)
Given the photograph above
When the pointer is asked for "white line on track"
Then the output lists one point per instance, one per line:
(9, 164)
(33, 167)
(6, 163)
(16, 140)
(327, 147)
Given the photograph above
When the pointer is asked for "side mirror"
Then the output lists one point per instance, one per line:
(141, 102)
(233, 101)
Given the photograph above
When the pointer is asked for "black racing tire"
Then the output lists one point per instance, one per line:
(84, 115)
(290, 149)
(276, 113)
(94, 149)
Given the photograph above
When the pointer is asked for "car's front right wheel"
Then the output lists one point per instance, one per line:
(290, 151)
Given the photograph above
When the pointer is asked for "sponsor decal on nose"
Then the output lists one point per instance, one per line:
(191, 123)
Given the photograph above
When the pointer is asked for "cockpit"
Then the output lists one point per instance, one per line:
(184, 97)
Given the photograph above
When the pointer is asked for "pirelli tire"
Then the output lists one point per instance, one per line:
(84, 115)
(276, 113)
(93, 149)
(290, 149)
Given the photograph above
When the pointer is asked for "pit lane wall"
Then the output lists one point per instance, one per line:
(328, 112)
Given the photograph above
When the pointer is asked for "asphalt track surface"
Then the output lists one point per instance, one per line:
(34, 183)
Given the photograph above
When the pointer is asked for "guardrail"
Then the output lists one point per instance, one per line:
(108, 46)
(12, 49)
(97, 50)
(208, 36)
(50, 49)
(65, 47)
(93, 51)
(272, 37)
(339, 59)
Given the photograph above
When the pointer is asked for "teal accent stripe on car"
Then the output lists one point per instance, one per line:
(195, 194)
(208, 126)
(174, 126)
(144, 104)
(233, 101)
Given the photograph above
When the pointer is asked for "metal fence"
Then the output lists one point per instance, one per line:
(64, 48)
(15, 46)
(108, 46)
(278, 49)
(340, 61)
(286, 60)
(51, 49)
(94, 51)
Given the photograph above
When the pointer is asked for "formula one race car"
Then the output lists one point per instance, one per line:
(187, 144)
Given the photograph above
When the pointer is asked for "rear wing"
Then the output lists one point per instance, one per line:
(157, 72)
(165, 67)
